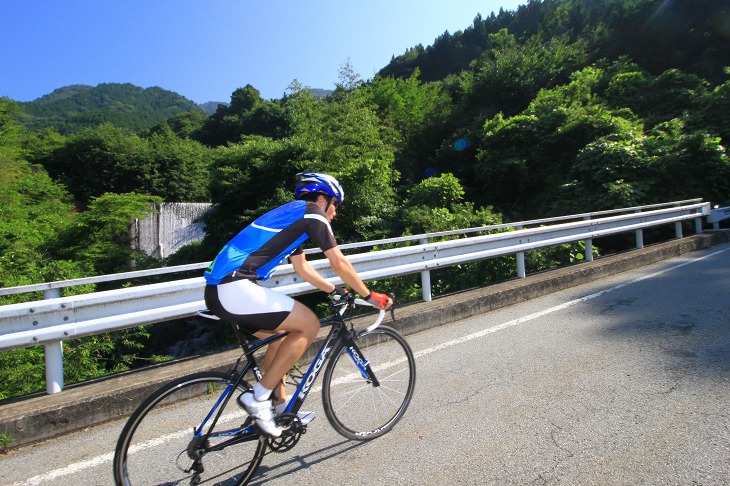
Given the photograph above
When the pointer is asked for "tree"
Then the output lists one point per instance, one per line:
(713, 111)
(33, 208)
(100, 160)
(414, 115)
(532, 159)
(184, 125)
(342, 136)
(507, 77)
(247, 114)
(687, 164)
(444, 191)
(100, 236)
(179, 168)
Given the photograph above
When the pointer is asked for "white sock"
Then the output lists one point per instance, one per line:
(261, 393)
(281, 407)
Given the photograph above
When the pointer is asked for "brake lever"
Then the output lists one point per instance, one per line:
(392, 307)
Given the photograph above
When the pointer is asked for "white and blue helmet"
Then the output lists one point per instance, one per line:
(313, 182)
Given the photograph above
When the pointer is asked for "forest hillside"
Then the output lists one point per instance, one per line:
(70, 109)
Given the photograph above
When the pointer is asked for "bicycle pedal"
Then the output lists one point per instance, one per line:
(293, 431)
(288, 421)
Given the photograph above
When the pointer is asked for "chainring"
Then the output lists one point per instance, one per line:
(290, 436)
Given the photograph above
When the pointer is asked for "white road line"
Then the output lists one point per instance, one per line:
(520, 320)
(99, 460)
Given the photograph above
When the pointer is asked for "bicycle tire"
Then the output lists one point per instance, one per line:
(353, 405)
(152, 447)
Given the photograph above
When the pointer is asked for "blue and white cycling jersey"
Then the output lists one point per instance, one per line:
(256, 251)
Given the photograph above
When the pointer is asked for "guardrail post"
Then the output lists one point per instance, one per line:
(54, 367)
(639, 236)
(521, 273)
(588, 243)
(698, 226)
(53, 355)
(678, 226)
(425, 279)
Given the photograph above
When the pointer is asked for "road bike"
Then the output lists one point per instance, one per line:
(192, 430)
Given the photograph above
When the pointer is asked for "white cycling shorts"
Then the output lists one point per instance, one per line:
(248, 304)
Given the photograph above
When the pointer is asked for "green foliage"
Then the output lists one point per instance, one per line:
(184, 125)
(556, 256)
(110, 159)
(99, 160)
(33, 208)
(5, 441)
(412, 116)
(247, 114)
(179, 169)
(100, 236)
(681, 34)
(712, 111)
(512, 74)
(339, 135)
(593, 152)
(22, 371)
(444, 191)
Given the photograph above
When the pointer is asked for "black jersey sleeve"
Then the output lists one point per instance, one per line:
(318, 228)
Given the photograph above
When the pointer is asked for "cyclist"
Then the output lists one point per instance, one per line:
(252, 255)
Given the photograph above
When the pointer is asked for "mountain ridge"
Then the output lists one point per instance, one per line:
(70, 109)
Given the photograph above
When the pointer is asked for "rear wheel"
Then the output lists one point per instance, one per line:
(359, 407)
(158, 444)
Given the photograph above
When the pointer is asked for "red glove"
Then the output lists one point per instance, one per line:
(378, 300)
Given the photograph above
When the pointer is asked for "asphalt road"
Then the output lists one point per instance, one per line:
(622, 381)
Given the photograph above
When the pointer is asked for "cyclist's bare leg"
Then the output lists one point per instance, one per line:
(279, 395)
(303, 326)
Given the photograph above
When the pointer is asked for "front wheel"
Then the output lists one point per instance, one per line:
(367, 387)
(159, 444)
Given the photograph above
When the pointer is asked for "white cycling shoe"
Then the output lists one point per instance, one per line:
(262, 411)
(305, 417)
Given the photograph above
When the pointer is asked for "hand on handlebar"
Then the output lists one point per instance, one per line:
(339, 293)
(379, 301)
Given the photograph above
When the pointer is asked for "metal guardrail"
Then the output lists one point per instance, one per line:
(53, 320)
(52, 289)
(718, 214)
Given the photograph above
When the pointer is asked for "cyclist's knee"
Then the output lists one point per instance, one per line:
(309, 326)
(301, 320)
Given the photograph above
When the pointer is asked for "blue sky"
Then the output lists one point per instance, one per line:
(205, 49)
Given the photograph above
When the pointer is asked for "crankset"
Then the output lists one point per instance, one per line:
(293, 430)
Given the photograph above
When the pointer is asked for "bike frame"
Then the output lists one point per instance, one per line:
(338, 333)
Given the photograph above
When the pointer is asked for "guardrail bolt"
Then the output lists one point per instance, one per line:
(35, 323)
(32, 311)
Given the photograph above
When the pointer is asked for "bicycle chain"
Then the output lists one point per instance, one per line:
(290, 436)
